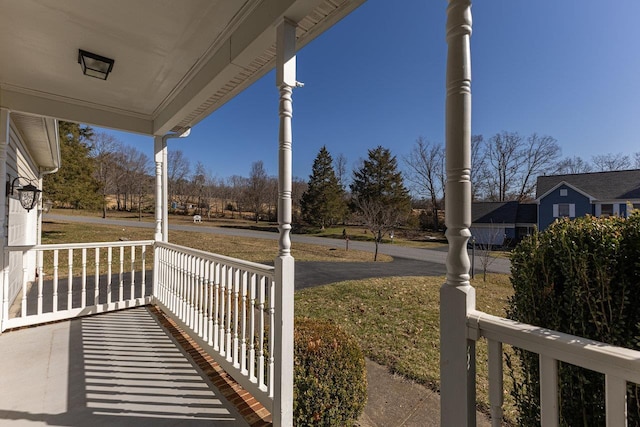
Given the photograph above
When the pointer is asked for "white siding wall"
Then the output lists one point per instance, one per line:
(22, 226)
(492, 235)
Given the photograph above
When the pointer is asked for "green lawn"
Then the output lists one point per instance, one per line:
(397, 321)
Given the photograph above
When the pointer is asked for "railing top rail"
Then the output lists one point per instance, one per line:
(91, 245)
(233, 262)
(594, 355)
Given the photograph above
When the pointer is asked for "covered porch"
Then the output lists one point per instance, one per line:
(175, 65)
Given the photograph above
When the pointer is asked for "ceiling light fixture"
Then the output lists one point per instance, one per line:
(94, 65)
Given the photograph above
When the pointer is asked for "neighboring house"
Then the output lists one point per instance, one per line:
(502, 223)
(597, 194)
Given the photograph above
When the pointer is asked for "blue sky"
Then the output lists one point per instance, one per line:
(569, 69)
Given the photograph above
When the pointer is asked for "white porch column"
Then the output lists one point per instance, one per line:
(160, 206)
(457, 297)
(4, 262)
(165, 192)
(284, 264)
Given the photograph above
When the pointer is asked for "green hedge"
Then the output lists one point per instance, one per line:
(581, 277)
(330, 379)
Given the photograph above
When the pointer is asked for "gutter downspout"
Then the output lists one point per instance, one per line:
(57, 160)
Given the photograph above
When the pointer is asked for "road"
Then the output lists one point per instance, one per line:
(408, 261)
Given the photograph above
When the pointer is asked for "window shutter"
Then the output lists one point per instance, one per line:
(555, 211)
(572, 210)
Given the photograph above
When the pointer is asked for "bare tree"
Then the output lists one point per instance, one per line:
(484, 248)
(272, 191)
(572, 165)
(225, 193)
(611, 162)
(198, 183)
(137, 180)
(104, 149)
(539, 156)
(503, 164)
(256, 190)
(237, 184)
(378, 218)
(209, 192)
(178, 169)
(340, 167)
(478, 165)
(424, 164)
(636, 159)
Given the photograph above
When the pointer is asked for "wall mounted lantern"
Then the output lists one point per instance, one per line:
(94, 65)
(28, 194)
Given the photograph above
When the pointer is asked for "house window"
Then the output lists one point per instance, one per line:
(564, 210)
(563, 192)
(636, 206)
(606, 209)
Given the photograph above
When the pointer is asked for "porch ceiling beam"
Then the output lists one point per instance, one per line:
(47, 105)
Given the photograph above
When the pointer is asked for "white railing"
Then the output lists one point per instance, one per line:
(76, 279)
(619, 365)
(227, 306)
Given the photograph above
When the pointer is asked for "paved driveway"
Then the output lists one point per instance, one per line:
(310, 274)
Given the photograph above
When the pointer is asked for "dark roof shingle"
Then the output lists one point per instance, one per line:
(600, 185)
(504, 213)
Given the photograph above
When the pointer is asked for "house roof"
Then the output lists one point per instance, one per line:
(527, 213)
(599, 185)
(176, 61)
(41, 135)
(511, 212)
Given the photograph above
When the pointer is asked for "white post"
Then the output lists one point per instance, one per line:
(457, 297)
(158, 146)
(4, 262)
(165, 192)
(284, 265)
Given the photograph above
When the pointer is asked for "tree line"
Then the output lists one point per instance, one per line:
(100, 172)
(504, 167)
(95, 167)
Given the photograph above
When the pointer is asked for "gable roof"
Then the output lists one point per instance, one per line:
(600, 185)
(504, 213)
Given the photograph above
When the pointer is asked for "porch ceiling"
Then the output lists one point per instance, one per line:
(176, 61)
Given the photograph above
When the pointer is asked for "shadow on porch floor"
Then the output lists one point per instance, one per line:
(119, 368)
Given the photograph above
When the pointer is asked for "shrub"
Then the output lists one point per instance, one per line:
(579, 277)
(330, 381)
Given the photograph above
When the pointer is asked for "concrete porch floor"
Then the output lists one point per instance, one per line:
(119, 368)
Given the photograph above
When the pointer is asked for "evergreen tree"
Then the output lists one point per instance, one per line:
(379, 195)
(74, 184)
(323, 203)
